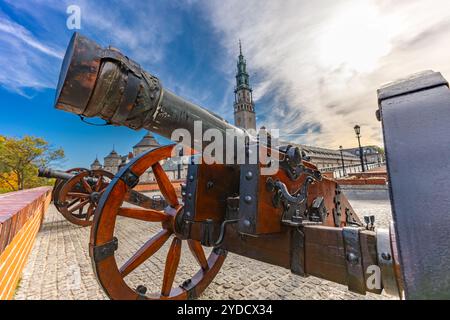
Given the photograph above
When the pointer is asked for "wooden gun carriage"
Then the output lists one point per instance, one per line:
(293, 218)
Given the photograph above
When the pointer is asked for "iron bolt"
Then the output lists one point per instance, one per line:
(386, 256)
(248, 199)
(249, 175)
(141, 289)
(352, 258)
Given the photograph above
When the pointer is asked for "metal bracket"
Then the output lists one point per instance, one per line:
(191, 191)
(248, 200)
(105, 250)
(353, 257)
(318, 211)
(208, 231)
(130, 178)
(293, 166)
(386, 262)
(298, 252)
(337, 210)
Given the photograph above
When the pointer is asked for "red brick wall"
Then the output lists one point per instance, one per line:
(21, 215)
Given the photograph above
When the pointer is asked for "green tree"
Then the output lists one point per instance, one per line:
(21, 158)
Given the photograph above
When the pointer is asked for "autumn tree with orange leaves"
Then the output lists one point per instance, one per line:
(20, 160)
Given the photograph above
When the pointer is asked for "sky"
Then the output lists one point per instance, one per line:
(314, 66)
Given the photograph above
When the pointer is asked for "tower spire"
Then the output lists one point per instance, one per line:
(244, 108)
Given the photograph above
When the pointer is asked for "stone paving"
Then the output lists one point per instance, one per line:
(59, 266)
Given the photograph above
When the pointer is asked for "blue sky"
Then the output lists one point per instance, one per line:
(314, 65)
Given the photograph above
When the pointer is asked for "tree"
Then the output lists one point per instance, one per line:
(21, 158)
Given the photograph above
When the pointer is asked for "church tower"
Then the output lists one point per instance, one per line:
(244, 108)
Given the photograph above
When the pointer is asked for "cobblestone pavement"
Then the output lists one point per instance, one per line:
(59, 266)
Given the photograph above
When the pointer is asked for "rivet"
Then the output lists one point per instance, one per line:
(247, 223)
(191, 178)
(352, 258)
(189, 196)
(386, 256)
(249, 175)
(248, 199)
(188, 213)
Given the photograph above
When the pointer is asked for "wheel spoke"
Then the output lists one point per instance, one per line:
(165, 186)
(173, 259)
(99, 183)
(77, 194)
(198, 253)
(145, 252)
(90, 211)
(143, 214)
(71, 203)
(86, 186)
(79, 206)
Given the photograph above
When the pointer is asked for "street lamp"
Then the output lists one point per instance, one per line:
(361, 156)
(342, 160)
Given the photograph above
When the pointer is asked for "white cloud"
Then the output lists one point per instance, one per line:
(25, 61)
(325, 59)
(25, 36)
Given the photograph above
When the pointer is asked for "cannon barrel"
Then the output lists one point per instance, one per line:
(102, 82)
(57, 174)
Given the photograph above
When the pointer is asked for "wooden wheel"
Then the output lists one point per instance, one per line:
(103, 244)
(59, 183)
(79, 196)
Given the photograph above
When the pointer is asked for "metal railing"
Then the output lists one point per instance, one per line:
(338, 172)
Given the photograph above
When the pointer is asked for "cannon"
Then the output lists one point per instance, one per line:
(77, 191)
(293, 217)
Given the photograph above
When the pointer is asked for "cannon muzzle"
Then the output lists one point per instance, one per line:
(99, 82)
(56, 174)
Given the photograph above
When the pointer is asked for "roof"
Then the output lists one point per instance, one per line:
(366, 149)
(96, 162)
(147, 141)
(113, 155)
(320, 152)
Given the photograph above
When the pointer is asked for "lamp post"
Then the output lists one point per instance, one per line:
(342, 160)
(365, 158)
(361, 156)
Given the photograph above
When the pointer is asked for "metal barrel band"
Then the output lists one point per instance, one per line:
(114, 55)
(353, 258)
(128, 100)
